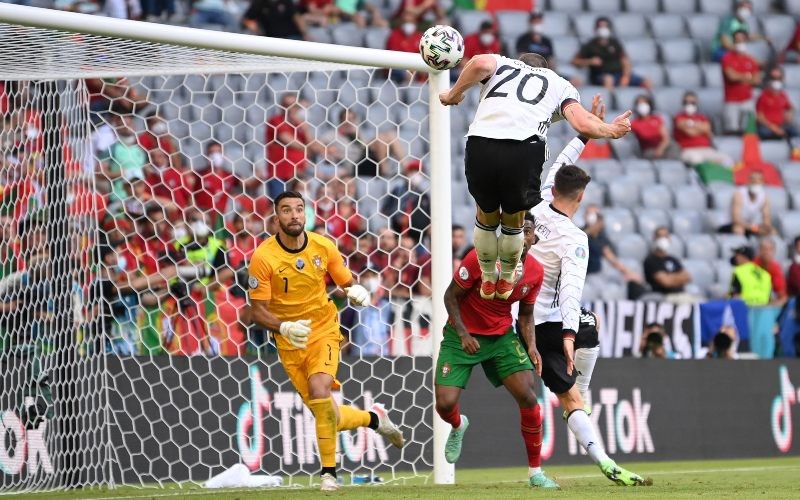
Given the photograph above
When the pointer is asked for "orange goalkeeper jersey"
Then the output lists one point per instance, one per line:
(294, 283)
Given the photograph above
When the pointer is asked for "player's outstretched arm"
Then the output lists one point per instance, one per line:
(478, 69)
(589, 125)
(452, 302)
(296, 332)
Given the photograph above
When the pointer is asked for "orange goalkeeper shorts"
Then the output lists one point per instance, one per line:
(321, 356)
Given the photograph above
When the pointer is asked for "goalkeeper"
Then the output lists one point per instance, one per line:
(288, 297)
(481, 332)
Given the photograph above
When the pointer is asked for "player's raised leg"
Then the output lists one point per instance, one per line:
(509, 250)
(486, 247)
(521, 387)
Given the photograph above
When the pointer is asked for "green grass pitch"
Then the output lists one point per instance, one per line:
(758, 478)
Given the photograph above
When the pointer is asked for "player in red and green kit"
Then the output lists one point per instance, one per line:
(481, 332)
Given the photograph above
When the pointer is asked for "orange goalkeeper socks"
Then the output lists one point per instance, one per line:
(352, 418)
(325, 417)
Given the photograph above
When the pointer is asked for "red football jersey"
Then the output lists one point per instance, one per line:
(493, 317)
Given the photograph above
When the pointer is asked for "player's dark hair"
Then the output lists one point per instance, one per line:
(457, 227)
(533, 60)
(529, 216)
(655, 339)
(570, 181)
(740, 31)
(284, 195)
(602, 19)
(722, 342)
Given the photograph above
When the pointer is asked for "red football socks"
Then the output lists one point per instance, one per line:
(453, 418)
(531, 425)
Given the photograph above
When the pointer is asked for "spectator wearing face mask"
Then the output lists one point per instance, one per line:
(484, 41)
(728, 26)
(766, 260)
(750, 213)
(214, 186)
(605, 57)
(740, 73)
(123, 158)
(694, 135)
(535, 41)
(157, 136)
(651, 131)
(774, 110)
(404, 38)
(664, 272)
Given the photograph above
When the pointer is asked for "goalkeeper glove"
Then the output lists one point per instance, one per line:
(358, 295)
(296, 332)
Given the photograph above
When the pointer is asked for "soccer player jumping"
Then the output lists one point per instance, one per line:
(506, 148)
(288, 297)
(481, 332)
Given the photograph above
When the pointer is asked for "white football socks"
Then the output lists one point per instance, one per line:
(509, 250)
(533, 471)
(580, 425)
(585, 359)
(485, 240)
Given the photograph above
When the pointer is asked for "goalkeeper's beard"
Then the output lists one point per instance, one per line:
(293, 231)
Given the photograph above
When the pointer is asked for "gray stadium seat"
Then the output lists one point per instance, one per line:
(618, 221)
(781, 248)
(790, 172)
(685, 76)
(671, 172)
(778, 199)
(657, 196)
(319, 34)
(679, 6)
(565, 49)
(712, 74)
(590, 293)
(567, 5)
(641, 50)
(669, 101)
(624, 193)
(730, 145)
(723, 270)
(677, 247)
(607, 6)
(721, 195)
(791, 74)
(702, 274)
(625, 96)
(555, 24)
(686, 221)
(789, 224)
(666, 26)
(760, 51)
(762, 7)
(653, 72)
(605, 170)
(727, 242)
(613, 291)
(584, 24)
(640, 171)
(512, 23)
(718, 7)
(587, 94)
(469, 21)
(710, 102)
(779, 29)
(716, 218)
(701, 246)
(648, 219)
(676, 51)
(690, 197)
(643, 6)
(375, 38)
(630, 26)
(775, 151)
(595, 193)
(703, 27)
(631, 246)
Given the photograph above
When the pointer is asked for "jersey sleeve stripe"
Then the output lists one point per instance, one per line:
(567, 103)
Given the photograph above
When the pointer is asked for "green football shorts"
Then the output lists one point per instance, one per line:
(500, 356)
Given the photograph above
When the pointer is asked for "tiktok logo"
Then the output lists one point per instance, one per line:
(251, 418)
(781, 420)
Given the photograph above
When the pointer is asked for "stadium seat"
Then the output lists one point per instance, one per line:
(657, 196)
(567, 5)
(605, 171)
(584, 24)
(648, 219)
(605, 6)
(703, 27)
(686, 221)
(677, 247)
(595, 194)
(624, 193)
(618, 220)
(790, 172)
(589, 291)
(469, 21)
(730, 145)
(679, 6)
(640, 171)
(613, 291)
(718, 7)
(712, 74)
(701, 246)
(630, 26)
(781, 248)
(512, 23)
(792, 75)
(671, 172)
(677, 51)
(375, 38)
(624, 148)
(710, 103)
(625, 96)
(690, 197)
(666, 26)
(685, 76)
(760, 51)
(565, 48)
(723, 270)
(631, 246)
(319, 34)
(641, 50)
(643, 6)
(555, 24)
(702, 274)
(653, 72)
(778, 198)
(727, 242)
(716, 218)
(789, 224)
(587, 94)
(775, 151)
(721, 194)
(779, 29)
(669, 101)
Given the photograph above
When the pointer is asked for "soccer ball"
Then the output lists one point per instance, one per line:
(441, 47)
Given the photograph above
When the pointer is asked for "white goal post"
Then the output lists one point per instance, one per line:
(55, 52)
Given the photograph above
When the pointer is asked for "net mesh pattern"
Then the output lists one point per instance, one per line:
(127, 346)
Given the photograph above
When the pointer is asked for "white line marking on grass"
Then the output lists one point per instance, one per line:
(699, 471)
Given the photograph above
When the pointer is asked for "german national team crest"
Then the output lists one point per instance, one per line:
(300, 264)
(445, 370)
(317, 260)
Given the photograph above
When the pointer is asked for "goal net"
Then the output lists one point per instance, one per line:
(137, 173)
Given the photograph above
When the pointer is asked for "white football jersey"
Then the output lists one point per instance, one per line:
(519, 101)
(563, 251)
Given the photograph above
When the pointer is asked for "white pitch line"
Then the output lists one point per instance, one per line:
(572, 476)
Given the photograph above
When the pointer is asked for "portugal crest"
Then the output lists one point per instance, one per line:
(445, 370)
(317, 260)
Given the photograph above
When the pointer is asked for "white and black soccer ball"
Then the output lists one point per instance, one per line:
(441, 47)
